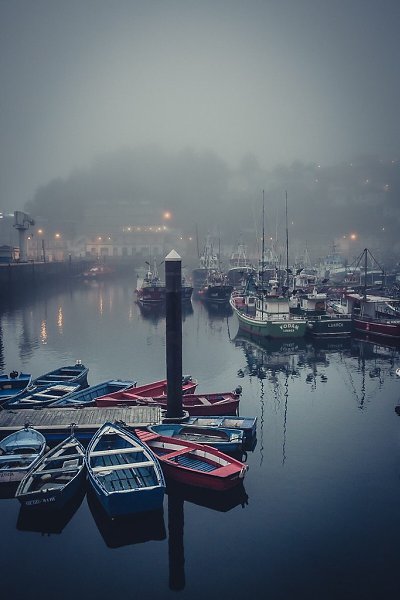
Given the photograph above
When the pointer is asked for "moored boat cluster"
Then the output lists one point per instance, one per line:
(127, 468)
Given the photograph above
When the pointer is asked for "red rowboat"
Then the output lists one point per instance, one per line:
(225, 403)
(149, 390)
(194, 464)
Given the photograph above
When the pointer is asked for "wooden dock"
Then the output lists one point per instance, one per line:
(56, 421)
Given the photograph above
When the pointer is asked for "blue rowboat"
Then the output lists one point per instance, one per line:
(123, 472)
(13, 384)
(39, 396)
(19, 452)
(87, 397)
(74, 374)
(247, 424)
(226, 440)
(55, 478)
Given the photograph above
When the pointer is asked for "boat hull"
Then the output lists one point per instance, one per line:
(383, 328)
(53, 499)
(123, 472)
(330, 326)
(272, 328)
(193, 464)
(13, 385)
(225, 440)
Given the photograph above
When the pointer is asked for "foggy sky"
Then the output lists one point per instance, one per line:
(284, 80)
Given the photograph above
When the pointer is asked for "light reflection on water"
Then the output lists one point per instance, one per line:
(318, 513)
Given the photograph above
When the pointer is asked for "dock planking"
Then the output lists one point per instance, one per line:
(89, 419)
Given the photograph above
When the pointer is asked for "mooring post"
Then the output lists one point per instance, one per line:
(173, 312)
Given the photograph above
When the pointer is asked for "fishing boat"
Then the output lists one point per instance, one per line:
(194, 464)
(239, 267)
(226, 440)
(150, 290)
(19, 451)
(123, 472)
(13, 384)
(55, 478)
(376, 315)
(75, 374)
(40, 396)
(246, 424)
(186, 289)
(208, 260)
(194, 404)
(216, 288)
(87, 397)
(148, 390)
(373, 314)
(271, 316)
(330, 325)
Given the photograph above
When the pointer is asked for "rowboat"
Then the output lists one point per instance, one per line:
(87, 397)
(13, 384)
(74, 374)
(123, 472)
(55, 478)
(246, 424)
(194, 464)
(39, 396)
(19, 452)
(148, 390)
(226, 440)
(224, 403)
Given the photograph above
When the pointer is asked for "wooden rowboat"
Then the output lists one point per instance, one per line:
(226, 440)
(148, 390)
(19, 451)
(74, 374)
(87, 397)
(55, 479)
(223, 403)
(123, 472)
(194, 464)
(13, 384)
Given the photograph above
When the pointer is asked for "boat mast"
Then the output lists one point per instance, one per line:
(365, 272)
(287, 246)
(263, 244)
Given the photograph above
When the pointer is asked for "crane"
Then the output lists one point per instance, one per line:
(22, 222)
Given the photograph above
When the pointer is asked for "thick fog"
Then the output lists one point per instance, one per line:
(195, 107)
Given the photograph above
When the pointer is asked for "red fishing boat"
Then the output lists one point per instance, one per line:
(194, 464)
(148, 390)
(372, 314)
(225, 403)
(375, 315)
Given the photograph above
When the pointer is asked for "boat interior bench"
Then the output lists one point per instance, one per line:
(122, 474)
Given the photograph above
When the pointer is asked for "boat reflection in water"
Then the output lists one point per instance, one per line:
(219, 501)
(47, 521)
(129, 530)
(156, 313)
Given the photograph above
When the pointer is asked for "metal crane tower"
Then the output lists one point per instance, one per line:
(22, 222)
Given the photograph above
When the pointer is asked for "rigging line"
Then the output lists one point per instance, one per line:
(262, 407)
(285, 413)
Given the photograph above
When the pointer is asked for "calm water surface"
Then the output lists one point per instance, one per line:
(318, 516)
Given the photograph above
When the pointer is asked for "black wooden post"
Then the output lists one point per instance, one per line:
(173, 311)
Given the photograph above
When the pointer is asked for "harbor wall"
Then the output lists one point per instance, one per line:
(17, 276)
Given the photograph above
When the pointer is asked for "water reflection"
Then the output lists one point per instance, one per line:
(126, 531)
(218, 501)
(2, 363)
(363, 365)
(49, 521)
(178, 494)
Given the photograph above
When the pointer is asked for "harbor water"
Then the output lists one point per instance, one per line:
(318, 514)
